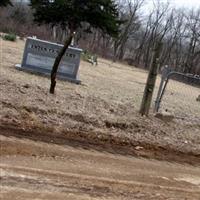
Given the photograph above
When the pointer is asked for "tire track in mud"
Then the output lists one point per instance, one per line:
(34, 176)
(84, 172)
(101, 142)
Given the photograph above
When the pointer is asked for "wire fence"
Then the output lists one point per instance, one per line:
(179, 94)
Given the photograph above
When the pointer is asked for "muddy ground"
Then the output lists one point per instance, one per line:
(96, 126)
(41, 170)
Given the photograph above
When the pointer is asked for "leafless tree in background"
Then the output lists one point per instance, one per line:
(178, 29)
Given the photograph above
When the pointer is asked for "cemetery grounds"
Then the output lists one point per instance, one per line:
(88, 141)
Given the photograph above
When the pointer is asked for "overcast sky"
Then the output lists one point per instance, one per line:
(186, 3)
(180, 3)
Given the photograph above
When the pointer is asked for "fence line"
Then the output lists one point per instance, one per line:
(167, 75)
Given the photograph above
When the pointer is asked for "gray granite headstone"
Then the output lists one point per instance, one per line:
(39, 57)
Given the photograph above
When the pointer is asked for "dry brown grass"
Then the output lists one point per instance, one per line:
(107, 101)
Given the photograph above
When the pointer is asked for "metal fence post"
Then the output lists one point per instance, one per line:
(165, 72)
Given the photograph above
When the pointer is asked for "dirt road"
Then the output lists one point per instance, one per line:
(39, 170)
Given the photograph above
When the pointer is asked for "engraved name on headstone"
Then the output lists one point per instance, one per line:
(39, 57)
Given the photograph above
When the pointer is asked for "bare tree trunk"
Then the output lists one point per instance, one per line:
(54, 33)
(147, 57)
(57, 62)
(148, 93)
(121, 51)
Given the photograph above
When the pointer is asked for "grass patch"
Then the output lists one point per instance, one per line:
(10, 37)
(89, 57)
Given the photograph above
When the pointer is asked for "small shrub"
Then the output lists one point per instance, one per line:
(89, 57)
(10, 37)
(86, 55)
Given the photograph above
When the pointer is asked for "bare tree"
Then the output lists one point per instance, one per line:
(193, 30)
(128, 14)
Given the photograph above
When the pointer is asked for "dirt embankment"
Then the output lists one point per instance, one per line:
(100, 142)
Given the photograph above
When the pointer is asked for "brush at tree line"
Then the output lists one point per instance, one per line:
(4, 3)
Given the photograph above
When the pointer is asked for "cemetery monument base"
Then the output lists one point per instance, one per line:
(39, 57)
